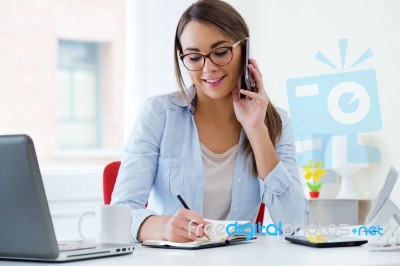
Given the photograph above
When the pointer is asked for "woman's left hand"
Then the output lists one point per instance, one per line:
(251, 110)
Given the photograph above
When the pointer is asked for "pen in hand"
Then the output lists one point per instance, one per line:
(185, 205)
(180, 198)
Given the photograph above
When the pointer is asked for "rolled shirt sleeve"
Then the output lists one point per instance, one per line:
(139, 165)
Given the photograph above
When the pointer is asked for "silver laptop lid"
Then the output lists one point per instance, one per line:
(26, 229)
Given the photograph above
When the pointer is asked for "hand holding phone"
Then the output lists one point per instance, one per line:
(245, 78)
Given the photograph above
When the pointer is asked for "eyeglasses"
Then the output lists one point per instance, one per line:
(220, 56)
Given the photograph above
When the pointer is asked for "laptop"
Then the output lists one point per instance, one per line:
(26, 228)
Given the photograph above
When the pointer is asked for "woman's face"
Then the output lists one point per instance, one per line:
(212, 81)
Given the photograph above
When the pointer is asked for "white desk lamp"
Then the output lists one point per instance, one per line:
(346, 186)
(346, 170)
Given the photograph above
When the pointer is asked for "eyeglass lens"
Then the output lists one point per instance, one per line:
(220, 56)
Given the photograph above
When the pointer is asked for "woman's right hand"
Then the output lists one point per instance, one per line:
(184, 226)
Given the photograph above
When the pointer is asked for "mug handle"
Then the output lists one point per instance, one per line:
(84, 238)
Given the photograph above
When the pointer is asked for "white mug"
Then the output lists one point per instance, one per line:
(113, 224)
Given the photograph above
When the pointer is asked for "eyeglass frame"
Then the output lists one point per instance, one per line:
(230, 47)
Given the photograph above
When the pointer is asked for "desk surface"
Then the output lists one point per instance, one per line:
(262, 251)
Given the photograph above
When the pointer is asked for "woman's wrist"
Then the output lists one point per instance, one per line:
(153, 227)
(257, 131)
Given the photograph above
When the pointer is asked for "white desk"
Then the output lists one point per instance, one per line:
(263, 251)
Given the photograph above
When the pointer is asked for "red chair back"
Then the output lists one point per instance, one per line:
(110, 174)
(260, 215)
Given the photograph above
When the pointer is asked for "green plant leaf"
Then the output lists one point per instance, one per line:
(314, 187)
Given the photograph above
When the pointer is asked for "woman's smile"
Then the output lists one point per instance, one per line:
(214, 82)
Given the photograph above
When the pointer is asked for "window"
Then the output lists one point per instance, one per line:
(79, 103)
(62, 73)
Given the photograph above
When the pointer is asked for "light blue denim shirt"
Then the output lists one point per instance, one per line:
(163, 153)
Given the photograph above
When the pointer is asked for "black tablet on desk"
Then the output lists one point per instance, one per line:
(326, 241)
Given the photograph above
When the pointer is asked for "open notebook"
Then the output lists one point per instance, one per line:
(217, 236)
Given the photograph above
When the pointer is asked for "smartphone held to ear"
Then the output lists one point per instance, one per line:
(245, 78)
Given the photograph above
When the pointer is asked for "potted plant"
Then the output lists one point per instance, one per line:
(313, 172)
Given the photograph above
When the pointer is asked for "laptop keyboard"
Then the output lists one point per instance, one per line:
(74, 245)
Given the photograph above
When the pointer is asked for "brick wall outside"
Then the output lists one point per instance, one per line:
(29, 35)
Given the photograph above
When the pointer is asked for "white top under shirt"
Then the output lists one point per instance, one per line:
(218, 170)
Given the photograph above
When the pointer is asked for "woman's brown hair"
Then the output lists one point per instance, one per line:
(229, 22)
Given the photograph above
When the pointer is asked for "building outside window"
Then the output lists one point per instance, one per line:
(62, 72)
(79, 91)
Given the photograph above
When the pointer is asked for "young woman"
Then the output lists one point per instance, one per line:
(222, 153)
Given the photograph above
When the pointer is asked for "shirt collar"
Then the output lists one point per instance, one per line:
(186, 98)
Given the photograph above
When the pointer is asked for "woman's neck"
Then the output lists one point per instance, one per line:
(216, 123)
(215, 110)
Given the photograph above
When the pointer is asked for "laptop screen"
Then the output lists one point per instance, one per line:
(26, 226)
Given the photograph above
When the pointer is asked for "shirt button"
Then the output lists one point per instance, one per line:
(235, 208)
(237, 180)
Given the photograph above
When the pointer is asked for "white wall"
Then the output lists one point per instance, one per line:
(151, 49)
